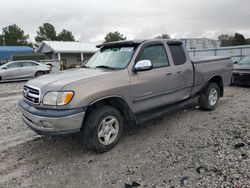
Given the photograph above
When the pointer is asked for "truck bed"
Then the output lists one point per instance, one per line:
(205, 68)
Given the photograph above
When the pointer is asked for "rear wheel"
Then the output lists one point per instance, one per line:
(103, 129)
(210, 97)
(39, 73)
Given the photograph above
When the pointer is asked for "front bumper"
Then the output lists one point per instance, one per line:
(241, 78)
(51, 122)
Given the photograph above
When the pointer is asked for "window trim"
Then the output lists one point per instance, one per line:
(150, 44)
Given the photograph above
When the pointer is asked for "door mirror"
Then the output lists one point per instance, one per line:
(143, 65)
(235, 62)
(4, 68)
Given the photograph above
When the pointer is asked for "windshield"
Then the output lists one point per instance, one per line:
(111, 57)
(245, 61)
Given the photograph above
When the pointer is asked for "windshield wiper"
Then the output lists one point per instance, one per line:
(105, 67)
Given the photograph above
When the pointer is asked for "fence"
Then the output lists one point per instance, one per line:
(235, 52)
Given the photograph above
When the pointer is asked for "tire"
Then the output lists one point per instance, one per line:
(210, 97)
(232, 81)
(39, 73)
(94, 131)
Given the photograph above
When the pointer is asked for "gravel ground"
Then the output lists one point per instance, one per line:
(188, 148)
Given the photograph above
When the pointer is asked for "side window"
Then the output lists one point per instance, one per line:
(156, 54)
(28, 64)
(178, 54)
(14, 65)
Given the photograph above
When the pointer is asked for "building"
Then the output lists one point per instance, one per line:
(6, 52)
(70, 54)
(200, 43)
(235, 52)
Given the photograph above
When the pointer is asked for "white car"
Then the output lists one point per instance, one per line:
(24, 69)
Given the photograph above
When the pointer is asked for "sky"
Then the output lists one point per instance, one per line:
(91, 20)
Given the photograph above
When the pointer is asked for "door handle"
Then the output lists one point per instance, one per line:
(178, 72)
(168, 73)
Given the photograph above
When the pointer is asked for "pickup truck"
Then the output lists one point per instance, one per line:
(124, 83)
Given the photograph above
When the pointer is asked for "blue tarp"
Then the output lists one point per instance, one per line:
(7, 51)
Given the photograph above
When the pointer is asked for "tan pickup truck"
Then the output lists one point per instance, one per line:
(126, 82)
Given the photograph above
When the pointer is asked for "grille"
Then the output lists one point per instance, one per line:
(31, 94)
(241, 79)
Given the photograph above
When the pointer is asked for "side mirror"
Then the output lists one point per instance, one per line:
(143, 65)
(4, 68)
(235, 62)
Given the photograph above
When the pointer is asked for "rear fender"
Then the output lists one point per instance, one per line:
(217, 79)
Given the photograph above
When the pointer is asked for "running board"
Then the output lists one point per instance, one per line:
(143, 117)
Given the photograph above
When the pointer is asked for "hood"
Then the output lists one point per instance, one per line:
(241, 67)
(59, 80)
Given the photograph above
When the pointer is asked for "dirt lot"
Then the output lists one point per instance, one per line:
(188, 148)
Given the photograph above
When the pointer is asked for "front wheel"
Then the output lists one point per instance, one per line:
(103, 129)
(210, 97)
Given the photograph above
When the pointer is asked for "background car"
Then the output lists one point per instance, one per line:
(241, 72)
(22, 70)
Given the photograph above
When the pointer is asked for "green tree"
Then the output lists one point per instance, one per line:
(236, 39)
(46, 32)
(65, 35)
(14, 36)
(163, 36)
(226, 40)
(114, 36)
(239, 39)
(1, 40)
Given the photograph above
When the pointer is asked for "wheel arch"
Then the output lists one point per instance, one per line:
(115, 101)
(51, 66)
(217, 79)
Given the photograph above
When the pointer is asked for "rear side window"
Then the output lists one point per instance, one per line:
(178, 54)
(29, 64)
(156, 54)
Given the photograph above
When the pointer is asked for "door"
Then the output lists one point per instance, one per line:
(184, 72)
(29, 69)
(153, 88)
(12, 71)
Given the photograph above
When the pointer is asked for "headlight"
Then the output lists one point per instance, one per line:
(58, 98)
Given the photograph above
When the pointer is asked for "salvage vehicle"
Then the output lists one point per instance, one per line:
(24, 69)
(124, 83)
(241, 72)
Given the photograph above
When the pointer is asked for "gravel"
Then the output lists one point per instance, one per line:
(187, 148)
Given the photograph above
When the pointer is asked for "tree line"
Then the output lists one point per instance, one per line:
(13, 35)
(233, 40)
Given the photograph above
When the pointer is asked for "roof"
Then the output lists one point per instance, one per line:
(121, 42)
(16, 48)
(198, 39)
(137, 42)
(221, 48)
(68, 47)
(7, 51)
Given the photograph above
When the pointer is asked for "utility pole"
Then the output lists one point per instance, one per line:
(3, 39)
